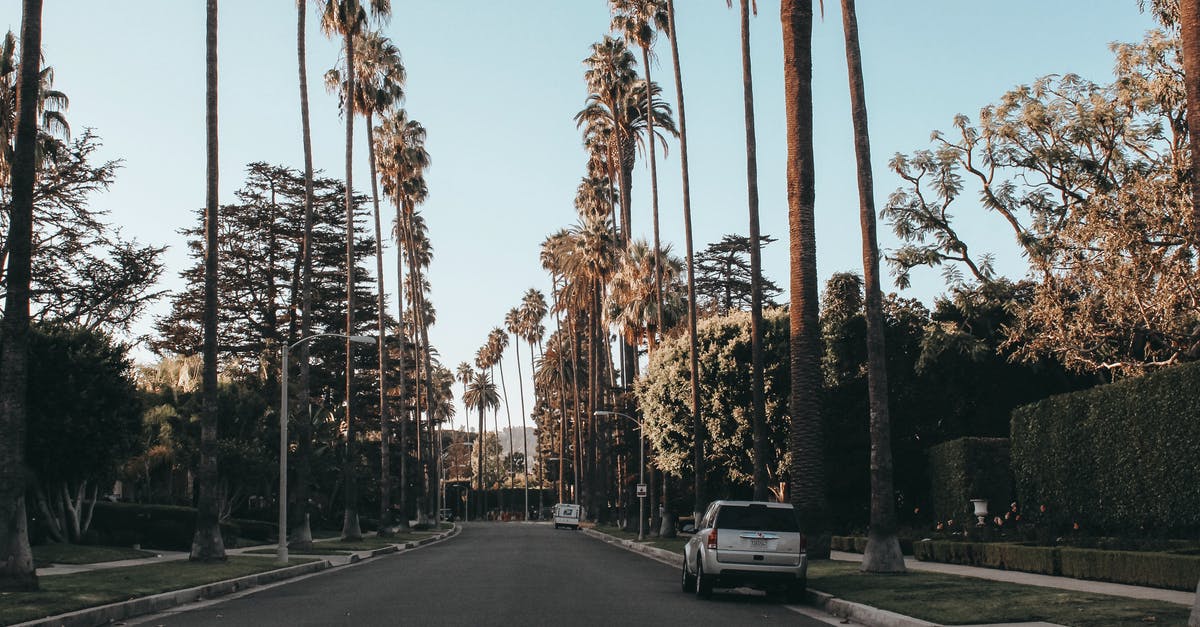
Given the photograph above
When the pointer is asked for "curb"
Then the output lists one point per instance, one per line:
(122, 610)
(841, 608)
(165, 600)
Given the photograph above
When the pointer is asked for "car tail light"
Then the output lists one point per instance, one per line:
(803, 543)
(712, 539)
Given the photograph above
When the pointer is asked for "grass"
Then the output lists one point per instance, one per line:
(338, 547)
(954, 600)
(674, 545)
(67, 593)
(46, 554)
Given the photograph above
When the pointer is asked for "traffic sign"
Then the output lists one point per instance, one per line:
(641, 490)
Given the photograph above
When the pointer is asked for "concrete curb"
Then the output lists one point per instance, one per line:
(122, 610)
(857, 612)
(158, 602)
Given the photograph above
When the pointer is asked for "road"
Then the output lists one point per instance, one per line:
(491, 574)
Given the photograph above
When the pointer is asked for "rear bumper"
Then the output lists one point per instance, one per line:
(730, 575)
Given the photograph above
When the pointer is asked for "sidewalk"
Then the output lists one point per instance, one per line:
(159, 602)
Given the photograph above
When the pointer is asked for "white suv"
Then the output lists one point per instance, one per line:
(747, 543)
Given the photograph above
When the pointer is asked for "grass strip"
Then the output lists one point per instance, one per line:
(674, 545)
(67, 593)
(955, 600)
(46, 554)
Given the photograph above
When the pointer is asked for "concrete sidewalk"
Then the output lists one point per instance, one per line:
(156, 603)
(1044, 581)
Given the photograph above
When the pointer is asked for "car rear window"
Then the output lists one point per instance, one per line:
(758, 518)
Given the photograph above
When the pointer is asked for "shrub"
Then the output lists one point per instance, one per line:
(1159, 570)
(969, 468)
(1112, 458)
(858, 544)
(165, 527)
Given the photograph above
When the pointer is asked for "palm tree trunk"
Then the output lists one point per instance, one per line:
(302, 534)
(430, 484)
(562, 397)
(401, 379)
(16, 558)
(479, 501)
(1189, 33)
(756, 357)
(524, 437)
(697, 426)
(508, 416)
(207, 545)
(807, 468)
(577, 460)
(385, 456)
(882, 554)
(350, 528)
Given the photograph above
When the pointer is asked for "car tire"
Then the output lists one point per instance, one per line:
(796, 591)
(704, 583)
(556, 526)
(688, 583)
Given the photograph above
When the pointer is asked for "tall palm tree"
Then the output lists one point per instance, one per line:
(498, 341)
(758, 412)
(347, 18)
(533, 311)
(552, 263)
(697, 425)
(49, 109)
(480, 395)
(640, 21)
(464, 373)
(882, 554)
(207, 545)
(302, 535)
(807, 468)
(379, 87)
(16, 559)
(610, 76)
(514, 323)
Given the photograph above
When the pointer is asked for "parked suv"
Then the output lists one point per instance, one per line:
(747, 543)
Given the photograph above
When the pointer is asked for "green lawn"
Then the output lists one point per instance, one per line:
(67, 593)
(953, 600)
(46, 554)
(675, 545)
(338, 547)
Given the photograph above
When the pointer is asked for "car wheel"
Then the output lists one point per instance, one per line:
(689, 580)
(556, 525)
(796, 591)
(704, 583)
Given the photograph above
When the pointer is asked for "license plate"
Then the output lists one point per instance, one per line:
(758, 543)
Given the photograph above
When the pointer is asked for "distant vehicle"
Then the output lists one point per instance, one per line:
(447, 515)
(567, 515)
(747, 543)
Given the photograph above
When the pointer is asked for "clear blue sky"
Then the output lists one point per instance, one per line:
(496, 83)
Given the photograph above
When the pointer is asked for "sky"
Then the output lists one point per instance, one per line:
(497, 82)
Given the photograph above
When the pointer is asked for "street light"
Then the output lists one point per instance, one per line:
(641, 468)
(281, 553)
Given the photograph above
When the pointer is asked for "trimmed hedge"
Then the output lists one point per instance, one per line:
(858, 544)
(1158, 570)
(969, 468)
(166, 527)
(1121, 458)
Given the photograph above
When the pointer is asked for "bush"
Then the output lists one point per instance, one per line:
(1112, 458)
(858, 544)
(1159, 570)
(165, 527)
(969, 468)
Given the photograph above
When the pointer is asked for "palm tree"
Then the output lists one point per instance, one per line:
(16, 559)
(515, 324)
(756, 379)
(207, 545)
(302, 535)
(610, 76)
(481, 395)
(640, 21)
(807, 468)
(533, 311)
(697, 426)
(380, 86)
(882, 554)
(346, 18)
(498, 343)
(49, 108)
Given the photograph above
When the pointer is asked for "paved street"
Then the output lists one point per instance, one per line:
(492, 574)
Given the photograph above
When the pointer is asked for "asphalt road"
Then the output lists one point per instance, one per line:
(492, 574)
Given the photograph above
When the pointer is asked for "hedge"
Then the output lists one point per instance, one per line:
(858, 544)
(165, 527)
(1123, 457)
(969, 468)
(1158, 570)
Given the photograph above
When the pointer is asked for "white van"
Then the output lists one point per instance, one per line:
(567, 515)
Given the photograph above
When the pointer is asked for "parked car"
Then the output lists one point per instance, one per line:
(747, 543)
(567, 515)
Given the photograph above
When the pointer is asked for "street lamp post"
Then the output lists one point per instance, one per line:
(281, 552)
(641, 468)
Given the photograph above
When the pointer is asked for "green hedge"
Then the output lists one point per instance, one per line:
(165, 527)
(1121, 458)
(1159, 570)
(969, 468)
(858, 544)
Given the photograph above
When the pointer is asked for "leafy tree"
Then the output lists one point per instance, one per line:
(85, 420)
(1092, 180)
(723, 276)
